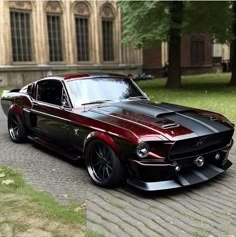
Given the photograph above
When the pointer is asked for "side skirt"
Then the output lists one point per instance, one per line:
(54, 148)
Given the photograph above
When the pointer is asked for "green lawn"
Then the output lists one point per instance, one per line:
(26, 211)
(209, 91)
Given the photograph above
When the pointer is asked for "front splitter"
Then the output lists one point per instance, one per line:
(195, 176)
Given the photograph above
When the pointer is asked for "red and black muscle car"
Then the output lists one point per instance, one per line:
(109, 122)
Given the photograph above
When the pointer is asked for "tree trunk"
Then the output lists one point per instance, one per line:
(174, 50)
(233, 47)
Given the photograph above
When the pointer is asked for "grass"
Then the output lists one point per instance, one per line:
(24, 209)
(208, 91)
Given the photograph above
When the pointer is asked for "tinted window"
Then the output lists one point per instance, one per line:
(89, 90)
(50, 91)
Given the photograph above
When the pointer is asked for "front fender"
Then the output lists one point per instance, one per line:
(104, 137)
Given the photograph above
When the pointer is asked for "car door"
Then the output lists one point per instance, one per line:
(49, 113)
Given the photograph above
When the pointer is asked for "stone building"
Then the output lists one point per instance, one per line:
(37, 37)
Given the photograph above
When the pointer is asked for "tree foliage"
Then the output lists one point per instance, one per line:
(147, 23)
(150, 21)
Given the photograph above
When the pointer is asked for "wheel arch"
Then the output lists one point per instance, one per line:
(103, 137)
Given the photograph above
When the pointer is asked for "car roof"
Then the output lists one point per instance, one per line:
(86, 75)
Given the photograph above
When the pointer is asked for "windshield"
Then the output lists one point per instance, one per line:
(101, 89)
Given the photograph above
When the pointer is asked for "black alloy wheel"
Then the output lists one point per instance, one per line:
(16, 128)
(103, 165)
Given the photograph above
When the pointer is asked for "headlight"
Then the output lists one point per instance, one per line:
(142, 150)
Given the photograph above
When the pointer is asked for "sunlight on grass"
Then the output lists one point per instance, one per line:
(210, 92)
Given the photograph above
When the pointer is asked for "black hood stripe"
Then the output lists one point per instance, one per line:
(198, 121)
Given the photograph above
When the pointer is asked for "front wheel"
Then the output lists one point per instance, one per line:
(16, 128)
(103, 165)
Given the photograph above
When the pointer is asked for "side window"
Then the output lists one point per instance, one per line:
(50, 91)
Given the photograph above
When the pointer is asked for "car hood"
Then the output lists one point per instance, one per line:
(147, 120)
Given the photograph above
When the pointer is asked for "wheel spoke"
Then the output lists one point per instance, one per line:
(98, 154)
(15, 121)
(100, 151)
(108, 173)
(103, 172)
(108, 166)
(99, 169)
(97, 163)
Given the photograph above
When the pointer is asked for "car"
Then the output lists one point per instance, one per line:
(107, 121)
(141, 76)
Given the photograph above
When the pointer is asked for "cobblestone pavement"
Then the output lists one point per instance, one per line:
(45, 171)
(206, 210)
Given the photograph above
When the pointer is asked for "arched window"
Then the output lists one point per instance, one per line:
(82, 22)
(20, 22)
(54, 15)
(108, 33)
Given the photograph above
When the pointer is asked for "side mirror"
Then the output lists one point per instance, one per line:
(64, 104)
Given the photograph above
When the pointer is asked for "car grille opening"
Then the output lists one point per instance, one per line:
(200, 145)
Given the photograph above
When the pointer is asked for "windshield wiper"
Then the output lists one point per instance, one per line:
(137, 97)
(96, 102)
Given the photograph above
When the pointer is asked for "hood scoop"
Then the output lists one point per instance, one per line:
(166, 124)
(170, 125)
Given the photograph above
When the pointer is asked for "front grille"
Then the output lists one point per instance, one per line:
(200, 145)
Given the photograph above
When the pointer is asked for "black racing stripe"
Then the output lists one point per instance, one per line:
(141, 108)
(192, 125)
(174, 107)
(215, 124)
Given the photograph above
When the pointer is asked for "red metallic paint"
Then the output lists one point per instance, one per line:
(104, 137)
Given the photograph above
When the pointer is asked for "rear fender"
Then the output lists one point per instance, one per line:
(15, 108)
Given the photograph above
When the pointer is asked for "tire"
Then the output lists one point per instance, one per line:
(103, 165)
(16, 128)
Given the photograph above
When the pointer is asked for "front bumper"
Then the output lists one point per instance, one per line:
(150, 175)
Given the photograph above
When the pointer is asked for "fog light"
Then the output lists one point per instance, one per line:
(177, 168)
(199, 161)
(217, 156)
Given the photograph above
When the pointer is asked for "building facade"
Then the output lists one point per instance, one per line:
(196, 56)
(40, 37)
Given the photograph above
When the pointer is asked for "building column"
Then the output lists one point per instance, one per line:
(69, 56)
(39, 24)
(5, 30)
(96, 24)
(3, 34)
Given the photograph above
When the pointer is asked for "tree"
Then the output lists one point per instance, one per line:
(233, 46)
(151, 22)
(174, 69)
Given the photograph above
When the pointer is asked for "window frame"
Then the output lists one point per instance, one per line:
(64, 89)
(60, 15)
(77, 17)
(112, 21)
(31, 34)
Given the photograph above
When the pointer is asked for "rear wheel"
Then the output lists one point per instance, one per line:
(103, 165)
(16, 128)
